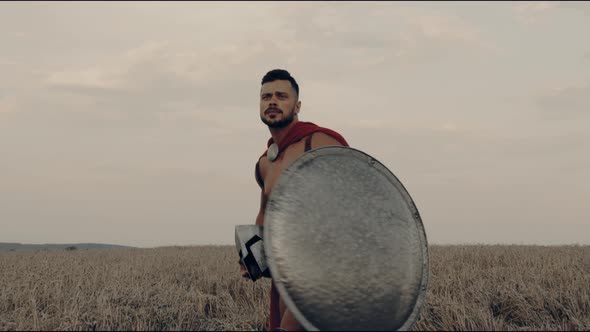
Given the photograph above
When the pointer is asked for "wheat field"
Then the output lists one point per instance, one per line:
(199, 288)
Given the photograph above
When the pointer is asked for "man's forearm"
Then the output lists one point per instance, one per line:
(260, 218)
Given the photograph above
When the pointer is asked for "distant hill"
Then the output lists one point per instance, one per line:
(9, 247)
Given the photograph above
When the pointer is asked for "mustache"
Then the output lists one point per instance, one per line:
(272, 109)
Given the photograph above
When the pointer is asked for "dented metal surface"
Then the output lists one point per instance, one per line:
(345, 244)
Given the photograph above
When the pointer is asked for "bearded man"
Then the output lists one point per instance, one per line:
(290, 138)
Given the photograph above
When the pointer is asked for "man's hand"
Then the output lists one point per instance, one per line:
(244, 272)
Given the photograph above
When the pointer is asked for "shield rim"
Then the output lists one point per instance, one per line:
(276, 278)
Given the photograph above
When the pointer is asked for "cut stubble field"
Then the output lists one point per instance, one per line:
(471, 287)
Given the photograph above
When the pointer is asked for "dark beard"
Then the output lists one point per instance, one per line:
(284, 122)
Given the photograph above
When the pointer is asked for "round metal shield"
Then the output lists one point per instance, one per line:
(345, 243)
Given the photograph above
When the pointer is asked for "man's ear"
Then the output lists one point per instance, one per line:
(298, 107)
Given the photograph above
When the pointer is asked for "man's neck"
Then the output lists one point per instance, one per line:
(278, 134)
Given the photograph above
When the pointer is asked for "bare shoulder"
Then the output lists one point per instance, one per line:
(322, 139)
(263, 166)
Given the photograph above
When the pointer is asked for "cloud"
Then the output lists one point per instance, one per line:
(537, 6)
(570, 102)
(535, 12)
(225, 72)
(92, 77)
(406, 125)
(401, 31)
(133, 70)
(166, 78)
(7, 63)
(448, 28)
(531, 12)
(194, 78)
(6, 106)
(580, 6)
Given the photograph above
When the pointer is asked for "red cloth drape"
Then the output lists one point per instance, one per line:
(301, 129)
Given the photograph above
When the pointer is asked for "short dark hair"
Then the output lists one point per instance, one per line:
(280, 74)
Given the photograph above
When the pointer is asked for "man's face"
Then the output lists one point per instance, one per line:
(278, 104)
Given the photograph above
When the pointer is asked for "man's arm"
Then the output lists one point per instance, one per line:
(260, 216)
(259, 221)
(262, 164)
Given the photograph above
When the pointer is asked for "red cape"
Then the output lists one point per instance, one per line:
(301, 129)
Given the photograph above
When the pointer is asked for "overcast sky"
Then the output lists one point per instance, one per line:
(137, 123)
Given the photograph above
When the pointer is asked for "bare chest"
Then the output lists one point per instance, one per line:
(271, 171)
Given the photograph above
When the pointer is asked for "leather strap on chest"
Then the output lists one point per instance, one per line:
(308, 143)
